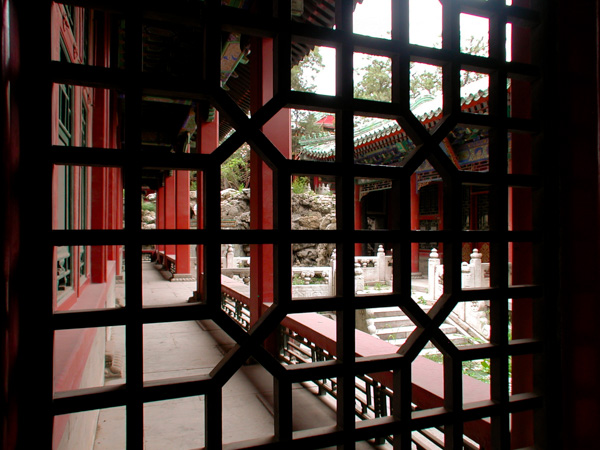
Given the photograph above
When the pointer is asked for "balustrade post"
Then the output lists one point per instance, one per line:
(476, 270)
(381, 264)
(332, 278)
(229, 257)
(359, 279)
(434, 261)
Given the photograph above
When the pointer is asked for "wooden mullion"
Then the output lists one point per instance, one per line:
(89, 399)
(282, 45)
(373, 171)
(134, 338)
(83, 75)
(299, 167)
(213, 418)
(174, 388)
(211, 202)
(453, 393)
(92, 157)
(316, 102)
(345, 318)
(28, 366)
(402, 251)
(402, 407)
(498, 161)
(282, 251)
(87, 237)
(283, 415)
(451, 68)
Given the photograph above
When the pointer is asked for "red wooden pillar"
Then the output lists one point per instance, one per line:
(119, 215)
(357, 218)
(99, 200)
(99, 253)
(207, 141)
(414, 222)
(440, 215)
(169, 208)
(278, 130)
(112, 209)
(182, 218)
(160, 218)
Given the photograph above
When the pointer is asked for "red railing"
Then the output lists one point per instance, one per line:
(319, 334)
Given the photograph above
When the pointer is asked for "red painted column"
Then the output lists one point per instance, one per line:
(207, 141)
(112, 210)
(118, 215)
(160, 217)
(169, 205)
(278, 130)
(414, 222)
(357, 218)
(440, 216)
(99, 201)
(182, 210)
(99, 254)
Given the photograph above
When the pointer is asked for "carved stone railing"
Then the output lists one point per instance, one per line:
(370, 270)
(474, 274)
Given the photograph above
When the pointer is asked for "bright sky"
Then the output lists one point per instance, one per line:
(373, 18)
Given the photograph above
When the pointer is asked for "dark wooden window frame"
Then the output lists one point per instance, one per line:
(346, 367)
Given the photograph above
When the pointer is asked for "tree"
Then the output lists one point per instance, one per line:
(426, 82)
(376, 81)
(303, 77)
(235, 170)
(473, 46)
(305, 72)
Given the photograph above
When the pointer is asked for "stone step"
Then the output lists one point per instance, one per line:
(394, 333)
(382, 323)
(457, 339)
(393, 311)
(420, 287)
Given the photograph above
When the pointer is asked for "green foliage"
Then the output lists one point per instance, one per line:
(300, 185)
(303, 78)
(148, 206)
(305, 72)
(425, 82)
(235, 171)
(429, 81)
(376, 81)
(297, 280)
(422, 300)
(479, 369)
(436, 357)
(193, 181)
(303, 123)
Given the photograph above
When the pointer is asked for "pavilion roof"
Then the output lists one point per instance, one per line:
(372, 134)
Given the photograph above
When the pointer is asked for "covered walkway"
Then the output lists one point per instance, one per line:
(183, 349)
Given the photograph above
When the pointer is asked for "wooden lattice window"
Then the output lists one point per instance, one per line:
(398, 420)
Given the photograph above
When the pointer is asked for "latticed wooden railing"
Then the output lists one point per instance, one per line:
(373, 398)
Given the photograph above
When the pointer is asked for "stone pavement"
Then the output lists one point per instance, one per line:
(189, 348)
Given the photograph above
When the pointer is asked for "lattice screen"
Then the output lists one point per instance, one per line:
(512, 165)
